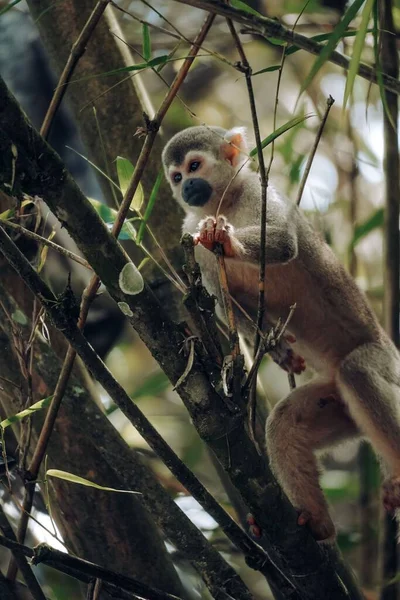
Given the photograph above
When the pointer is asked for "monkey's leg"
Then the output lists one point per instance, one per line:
(309, 419)
(369, 382)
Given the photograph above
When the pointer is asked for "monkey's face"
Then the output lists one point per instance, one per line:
(197, 180)
(200, 163)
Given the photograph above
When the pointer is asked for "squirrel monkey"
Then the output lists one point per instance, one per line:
(356, 387)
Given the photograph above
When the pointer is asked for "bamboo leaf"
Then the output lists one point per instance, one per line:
(125, 171)
(268, 69)
(149, 207)
(373, 222)
(278, 132)
(128, 232)
(81, 481)
(27, 412)
(321, 37)
(146, 42)
(335, 37)
(44, 252)
(357, 50)
(245, 7)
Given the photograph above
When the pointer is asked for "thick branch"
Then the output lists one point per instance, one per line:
(270, 28)
(83, 569)
(224, 432)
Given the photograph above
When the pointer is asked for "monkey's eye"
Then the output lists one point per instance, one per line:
(194, 165)
(177, 177)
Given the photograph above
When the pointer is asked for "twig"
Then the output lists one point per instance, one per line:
(200, 303)
(42, 240)
(271, 28)
(77, 50)
(226, 297)
(72, 565)
(329, 104)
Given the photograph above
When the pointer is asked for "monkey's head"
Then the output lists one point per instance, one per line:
(200, 163)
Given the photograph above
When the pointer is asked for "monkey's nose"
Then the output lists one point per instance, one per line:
(196, 191)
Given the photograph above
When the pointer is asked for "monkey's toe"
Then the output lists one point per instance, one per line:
(254, 529)
(391, 494)
(321, 527)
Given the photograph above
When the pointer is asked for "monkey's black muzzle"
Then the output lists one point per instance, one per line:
(196, 191)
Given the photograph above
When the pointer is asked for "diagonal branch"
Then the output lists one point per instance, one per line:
(83, 569)
(224, 432)
(270, 28)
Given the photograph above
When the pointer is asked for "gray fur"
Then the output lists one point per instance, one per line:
(356, 390)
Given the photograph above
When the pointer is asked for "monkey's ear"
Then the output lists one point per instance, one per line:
(234, 145)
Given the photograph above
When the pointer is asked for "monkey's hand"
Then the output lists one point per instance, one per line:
(286, 358)
(212, 231)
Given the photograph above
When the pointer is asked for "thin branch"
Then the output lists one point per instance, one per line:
(71, 565)
(24, 567)
(329, 104)
(266, 27)
(77, 50)
(42, 240)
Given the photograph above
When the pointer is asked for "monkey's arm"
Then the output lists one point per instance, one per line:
(244, 243)
(281, 244)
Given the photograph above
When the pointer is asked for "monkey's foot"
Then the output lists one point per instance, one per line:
(212, 231)
(254, 528)
(391, 494)
(288, 360)
(321, 527)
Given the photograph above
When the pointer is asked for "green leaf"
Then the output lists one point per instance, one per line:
(245, 7)
(7, 8)
(7, 214)
(125, 171)
(357, 50)
(295, 169)
(81, 481)
(278, 132)
(19, 317)
(146, 42)
(154, 385)
(154, 62)
(268, 69)
(128, 232)
(373, 222)
(335, 37)
(321, 37)
(149, 207)
(27, 412)
(44, 252)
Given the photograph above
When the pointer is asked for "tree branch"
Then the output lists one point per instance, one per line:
(225, 433)
(83, 569)
(271, 28)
